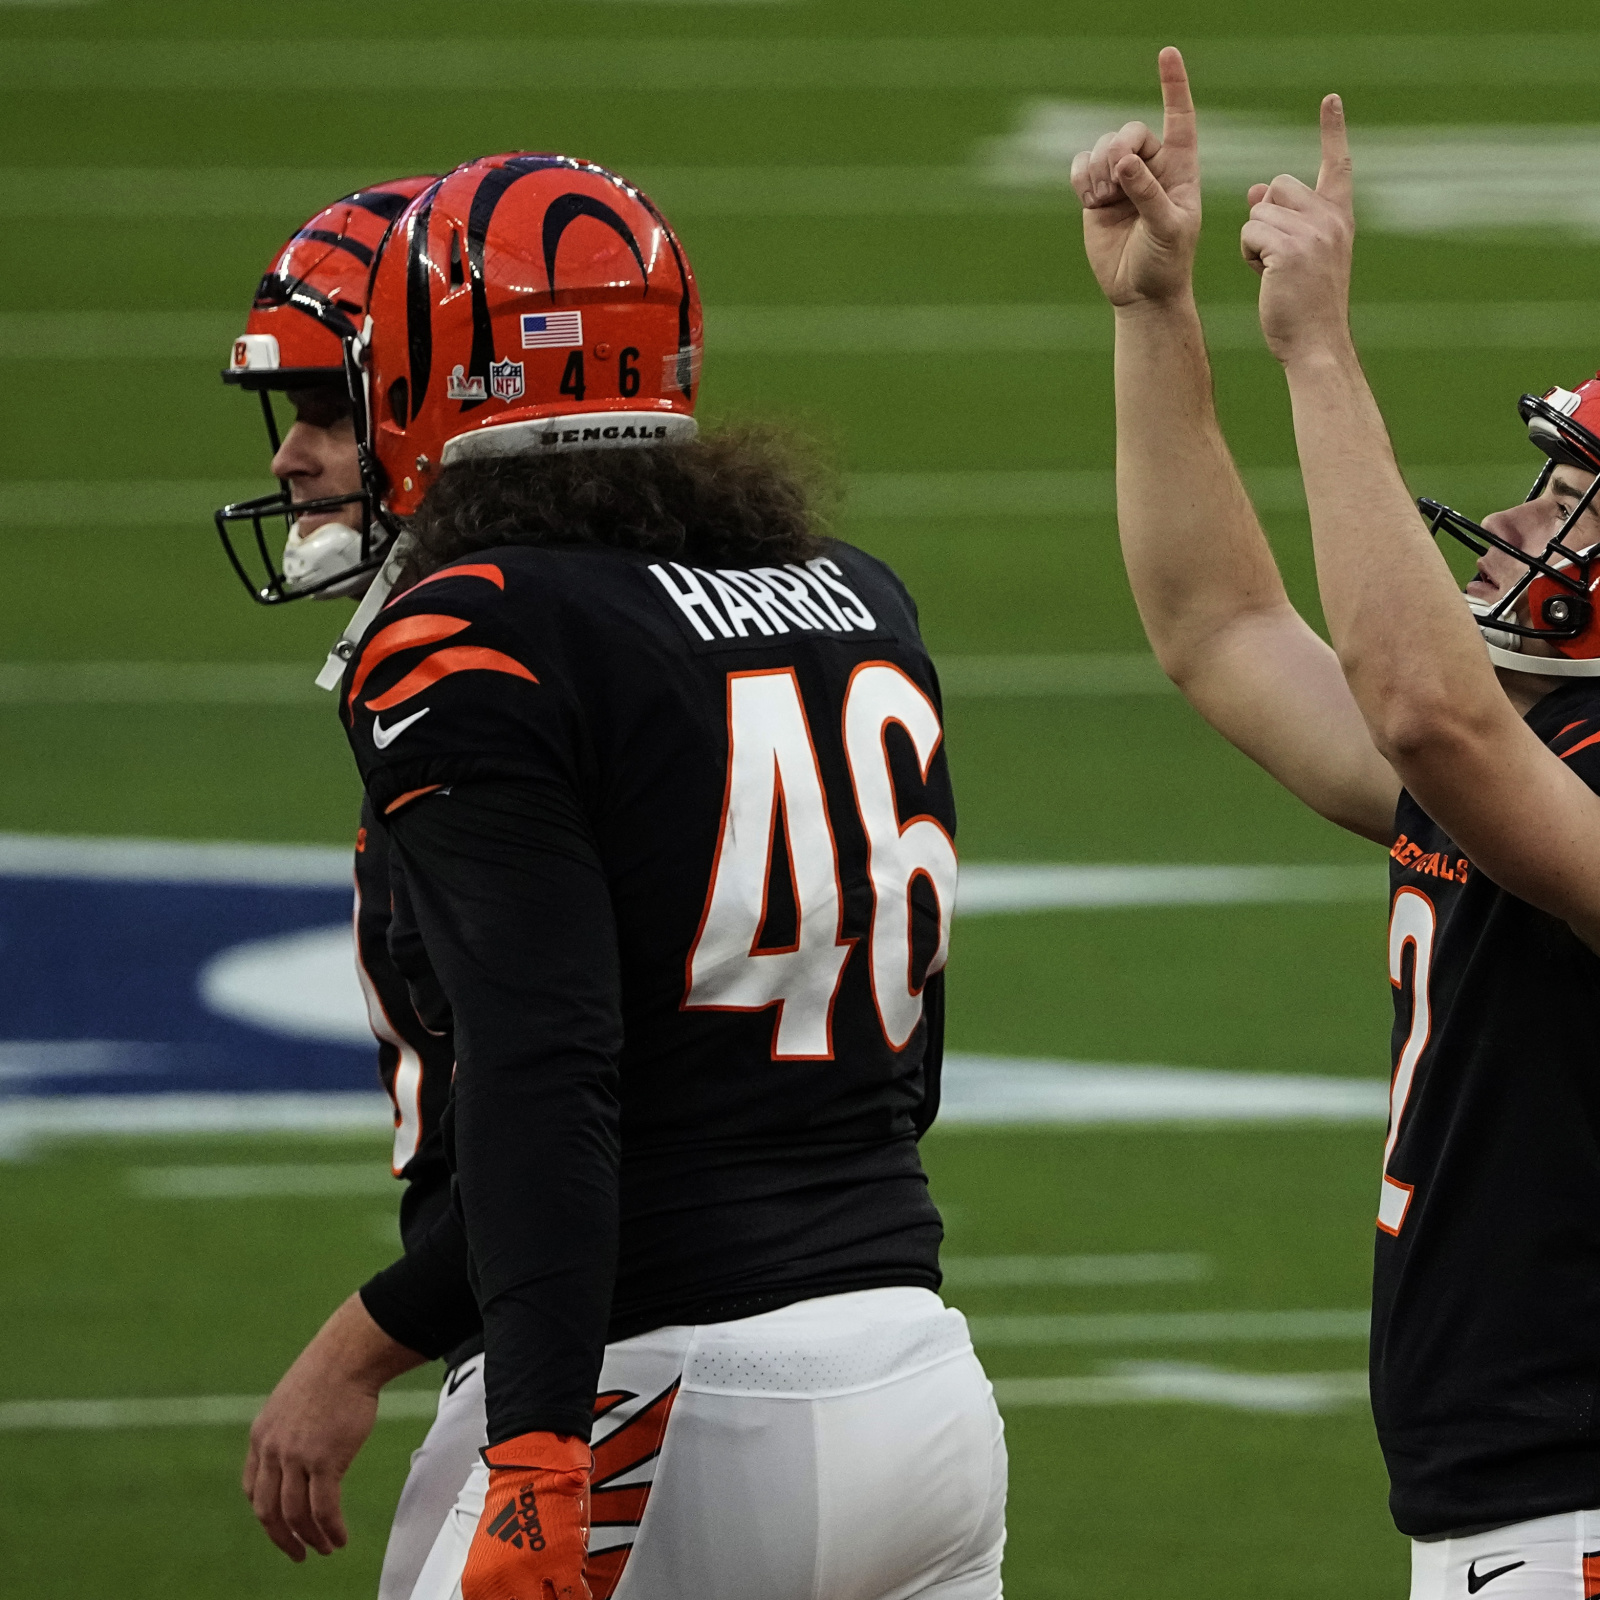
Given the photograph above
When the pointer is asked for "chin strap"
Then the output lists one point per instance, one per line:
(1505, 650)
(371, 604)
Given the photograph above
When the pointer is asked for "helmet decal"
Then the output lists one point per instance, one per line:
(564, 210)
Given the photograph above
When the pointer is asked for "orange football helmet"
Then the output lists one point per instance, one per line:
(1558, 597)
(310, 301)
(526, 303)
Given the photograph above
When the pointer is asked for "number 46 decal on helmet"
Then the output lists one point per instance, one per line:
(772, 761)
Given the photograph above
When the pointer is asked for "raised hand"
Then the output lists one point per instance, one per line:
(1141, 199)
(1299, 240)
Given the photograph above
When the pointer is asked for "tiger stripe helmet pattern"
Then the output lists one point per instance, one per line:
(526, 303)
(313, 295)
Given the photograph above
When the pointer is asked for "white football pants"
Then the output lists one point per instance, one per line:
(439, 1467)
(1550, 1558)
(844, 1448)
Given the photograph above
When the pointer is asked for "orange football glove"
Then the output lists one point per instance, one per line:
(534, 1532)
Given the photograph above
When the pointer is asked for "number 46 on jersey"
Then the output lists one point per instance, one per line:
(773, 773)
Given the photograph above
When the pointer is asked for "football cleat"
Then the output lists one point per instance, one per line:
(310, 301)
(1555, 599)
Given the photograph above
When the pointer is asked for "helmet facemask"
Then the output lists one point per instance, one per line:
(307, 310)
(1553, 600)
(335, 560)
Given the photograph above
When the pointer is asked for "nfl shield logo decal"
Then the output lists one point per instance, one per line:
(505, 380)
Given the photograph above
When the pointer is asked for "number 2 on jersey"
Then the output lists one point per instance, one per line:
(1412, 922)
(774, 779)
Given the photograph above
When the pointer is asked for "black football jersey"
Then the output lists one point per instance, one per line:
(1486, 1302)
(423, 1303)
(678, 841)
(415, 1057)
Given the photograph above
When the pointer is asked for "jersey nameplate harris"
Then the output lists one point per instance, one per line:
(735, 608)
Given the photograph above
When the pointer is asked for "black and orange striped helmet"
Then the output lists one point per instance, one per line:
(526, 303)
(1556, 601)
(310, 302)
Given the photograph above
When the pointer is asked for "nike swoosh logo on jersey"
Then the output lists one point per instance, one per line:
(461, 1374)
(384, 737)
(1476, 1580)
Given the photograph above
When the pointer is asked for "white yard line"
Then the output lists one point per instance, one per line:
(189, 1411)
(1167, 1383)
(262, 1181)
(289, 866)
(1171, 1327)
(1418, 179)
(1122, 1383)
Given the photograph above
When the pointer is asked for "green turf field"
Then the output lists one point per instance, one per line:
(154, 156)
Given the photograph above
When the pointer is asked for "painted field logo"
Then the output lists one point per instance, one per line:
(505, 379)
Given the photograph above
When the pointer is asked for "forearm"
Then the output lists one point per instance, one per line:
(1196, 557)
(350, 1346)
(1418, 676)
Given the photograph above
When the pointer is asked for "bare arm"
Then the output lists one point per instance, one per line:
(1202, 574)
(313, 1424)
(1406, 642)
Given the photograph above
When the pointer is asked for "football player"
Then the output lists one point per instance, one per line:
(664, 770)
(311, 299)
(1465, 739)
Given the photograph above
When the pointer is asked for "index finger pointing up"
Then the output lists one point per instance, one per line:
(1177, 124)
(1334, 180)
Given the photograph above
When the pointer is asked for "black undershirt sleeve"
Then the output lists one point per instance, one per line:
(932, 1053)
(513, 908)
(425, 1300)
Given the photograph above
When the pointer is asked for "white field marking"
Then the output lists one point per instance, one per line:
(107, 683)
(977, 1091)
(911, 330)
(1122, 1383)
(190, 1411)
(1171, 1327)
(1011, 1272)
(261, 1182)
(288, 866)
(481, 66)
(1426, 179)
(186, 504)
(27, 1060)
(1036, 887)
(25, 1119)
(1181, 1382)
(997, 1091)
(305, 985)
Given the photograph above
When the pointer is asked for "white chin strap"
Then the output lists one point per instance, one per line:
(371, 604)
(1505, 650)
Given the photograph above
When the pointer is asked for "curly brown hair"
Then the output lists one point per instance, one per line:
(741, 493)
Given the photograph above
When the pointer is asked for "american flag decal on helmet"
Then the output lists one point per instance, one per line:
(545, 330)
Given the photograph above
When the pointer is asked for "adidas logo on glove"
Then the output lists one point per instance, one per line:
(521, 1516)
